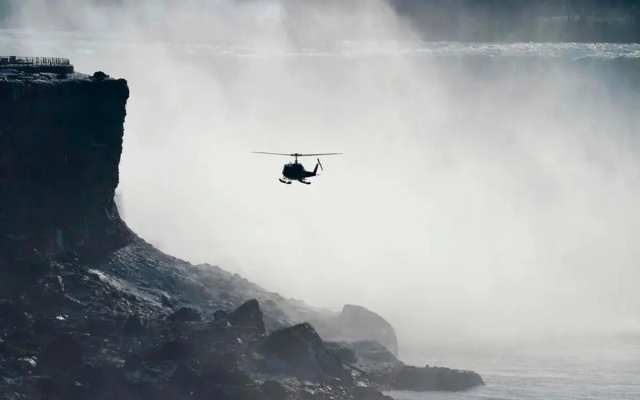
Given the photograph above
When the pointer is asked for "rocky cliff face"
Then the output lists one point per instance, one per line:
(60, 146)
(88, 310)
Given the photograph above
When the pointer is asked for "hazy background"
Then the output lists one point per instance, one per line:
(463, 209)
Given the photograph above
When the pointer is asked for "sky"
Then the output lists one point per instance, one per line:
(463, 209)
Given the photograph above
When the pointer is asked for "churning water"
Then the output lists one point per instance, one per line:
(597, 368)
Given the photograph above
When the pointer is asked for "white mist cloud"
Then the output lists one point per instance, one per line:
(462, 209)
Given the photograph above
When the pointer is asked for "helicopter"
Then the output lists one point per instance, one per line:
(295, 171)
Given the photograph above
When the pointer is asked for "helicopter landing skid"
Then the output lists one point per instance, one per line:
(305, 182)
(283, 181)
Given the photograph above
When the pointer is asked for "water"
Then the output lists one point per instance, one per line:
(606, 368)
(13, 40)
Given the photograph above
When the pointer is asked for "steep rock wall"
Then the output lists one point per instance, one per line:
(60, 144)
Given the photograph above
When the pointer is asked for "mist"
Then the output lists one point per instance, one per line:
(463, 209)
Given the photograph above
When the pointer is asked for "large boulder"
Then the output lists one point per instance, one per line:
(356, 323)
(368, 393)
(215, 383)
(248, 316)
(185, 314)
(383, 369)
(365, 324)
(303, 352)
(433, 378)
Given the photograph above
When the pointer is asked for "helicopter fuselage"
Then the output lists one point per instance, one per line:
(296, 172)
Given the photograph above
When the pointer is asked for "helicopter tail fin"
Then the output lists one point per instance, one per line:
(315, 170)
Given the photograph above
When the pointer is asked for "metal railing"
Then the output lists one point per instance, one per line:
(14, 61)
(57, 65)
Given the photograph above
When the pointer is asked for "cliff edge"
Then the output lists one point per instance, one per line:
(60, 145)
(88, 310)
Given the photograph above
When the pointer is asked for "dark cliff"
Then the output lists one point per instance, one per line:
(88, 310)
(60, 145)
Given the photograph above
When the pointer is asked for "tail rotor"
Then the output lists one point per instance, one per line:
(320, 165)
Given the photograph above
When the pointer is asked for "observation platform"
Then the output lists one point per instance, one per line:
(54, 65)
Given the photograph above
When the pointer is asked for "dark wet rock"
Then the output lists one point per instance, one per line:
(44, 326)
(375, 363)
(248, 315)
(200, 358)
(100, 327)
(11, 313)
(50, 285)
(9, 310)
(104, 381)
(64, 350)
(48, 293)
(13, 350)
(372, 351)
(274, 390)
(25, 365)
(46, 386)
(100, 75)
(167, 301)
(220, 315)
(20, 336)
(368, 393)
(133, 325)
(54, 388)
(433, 378)
(226, 384)
(185, 314)
(133, 361)
(221, 376)
(346, 354)
(371, 360)
(184, 378)
(21, 343)
(302, 348)
(176, 349)
(100, 375)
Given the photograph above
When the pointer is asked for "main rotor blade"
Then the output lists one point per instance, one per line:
(317, 154)
(296, 154)
(277, 154)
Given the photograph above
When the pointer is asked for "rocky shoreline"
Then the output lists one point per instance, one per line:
(71, 331)
(88, 310)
